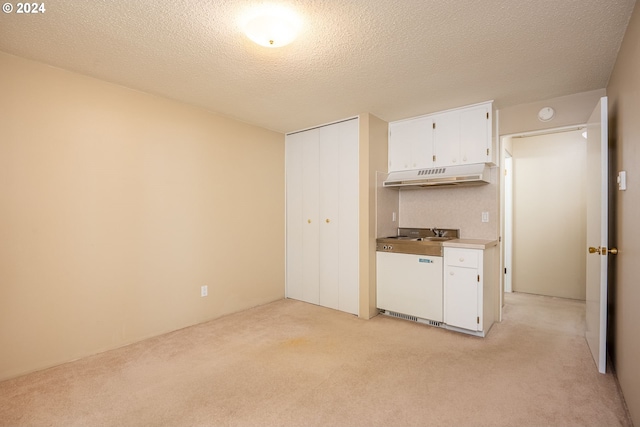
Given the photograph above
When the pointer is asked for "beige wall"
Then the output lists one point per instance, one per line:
(459, 207)
(549, 214)
(116, 206)
(569, 110)
(373, 158)
(624, 122)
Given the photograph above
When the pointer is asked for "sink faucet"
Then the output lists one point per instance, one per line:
(436, 232)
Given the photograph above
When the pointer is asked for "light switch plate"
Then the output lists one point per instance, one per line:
(485, 216)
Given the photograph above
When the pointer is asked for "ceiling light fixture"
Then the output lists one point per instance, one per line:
(271, 26)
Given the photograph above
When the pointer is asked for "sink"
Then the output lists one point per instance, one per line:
(436, 238)
(401, 238)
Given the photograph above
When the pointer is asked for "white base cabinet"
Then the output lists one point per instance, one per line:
(322, 229)
(468, 291)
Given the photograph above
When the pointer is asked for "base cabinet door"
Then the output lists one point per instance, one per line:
(463, 288)
(461, 298)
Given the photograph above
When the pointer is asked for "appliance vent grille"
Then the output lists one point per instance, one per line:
(433, 171)
(413, 318)
(402, 316)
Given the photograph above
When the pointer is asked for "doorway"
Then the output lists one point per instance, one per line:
(545, 238)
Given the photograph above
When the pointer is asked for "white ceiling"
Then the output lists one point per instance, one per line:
(395, 59)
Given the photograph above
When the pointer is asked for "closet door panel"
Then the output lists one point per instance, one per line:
(295, 216)
(349, 218)
(310, 206)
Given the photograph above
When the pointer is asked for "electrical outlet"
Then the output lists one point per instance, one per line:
(485, 216)
(204, 291)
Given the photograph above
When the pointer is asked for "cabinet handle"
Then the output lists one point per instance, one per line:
(327, 220)
(309, 221)
(451, 273)
(461, 259)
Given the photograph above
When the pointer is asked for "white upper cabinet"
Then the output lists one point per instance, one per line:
(411, 144)
(454, 137)
(475, 134)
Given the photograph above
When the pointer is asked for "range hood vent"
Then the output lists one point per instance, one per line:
(474, 174)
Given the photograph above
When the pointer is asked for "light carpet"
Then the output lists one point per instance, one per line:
(289, 363)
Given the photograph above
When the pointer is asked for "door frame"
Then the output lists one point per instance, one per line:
(503, 148)
(507, 225)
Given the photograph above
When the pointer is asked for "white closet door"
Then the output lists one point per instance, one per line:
(349, 217)
(322, 216)
(339, 216)
(310, 208)
(295, 217)
(302, 182)
(329, 216)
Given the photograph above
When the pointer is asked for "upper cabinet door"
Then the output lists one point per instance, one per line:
(475, 134)
(446, 139)
(411, 144)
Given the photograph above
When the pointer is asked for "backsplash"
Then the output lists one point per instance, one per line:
(457, 207)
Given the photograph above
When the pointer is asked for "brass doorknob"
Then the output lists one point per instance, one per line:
(328, 220)
(309, 221)
(603, 250)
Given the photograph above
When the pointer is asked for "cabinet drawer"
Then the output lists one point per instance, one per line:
(461, 257)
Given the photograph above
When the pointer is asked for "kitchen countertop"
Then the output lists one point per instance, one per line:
(469, 243)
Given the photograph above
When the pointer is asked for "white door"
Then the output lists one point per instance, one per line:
(338, 219)
(322, 263)
(302, 186)
(597, 236)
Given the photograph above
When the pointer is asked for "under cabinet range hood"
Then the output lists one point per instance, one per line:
(473, 174)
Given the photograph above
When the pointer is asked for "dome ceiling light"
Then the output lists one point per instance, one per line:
(271, 26)
(546, 114)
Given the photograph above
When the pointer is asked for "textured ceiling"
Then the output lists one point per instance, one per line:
(395, 59)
